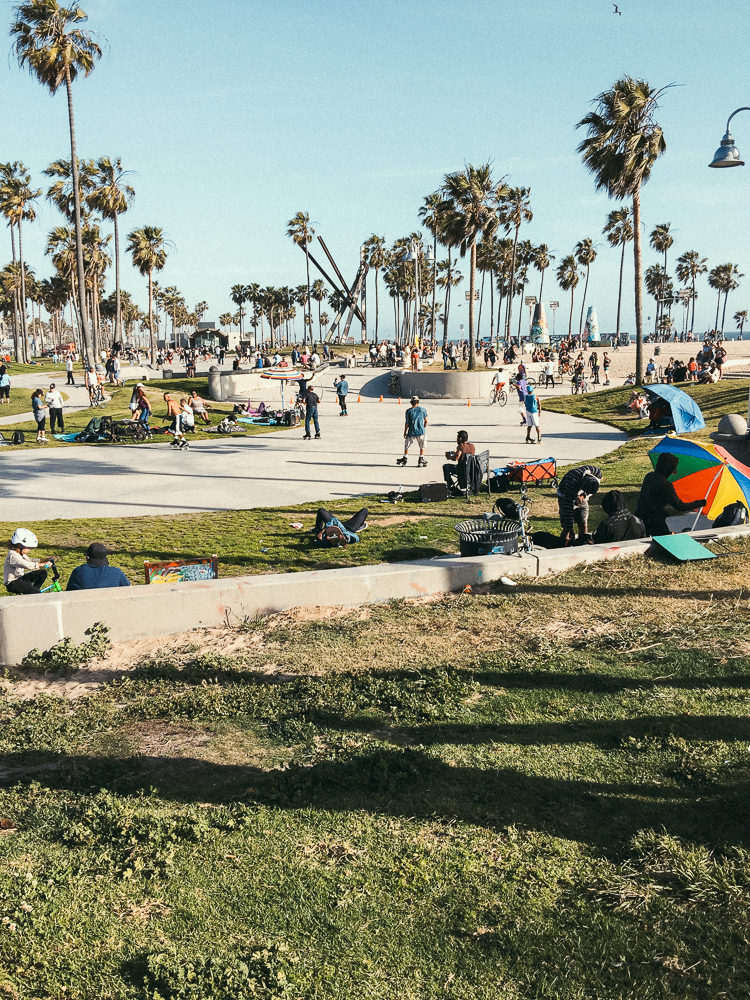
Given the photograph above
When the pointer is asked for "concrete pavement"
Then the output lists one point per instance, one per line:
(356, 455)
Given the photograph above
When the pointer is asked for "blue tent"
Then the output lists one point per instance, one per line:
(686, 414)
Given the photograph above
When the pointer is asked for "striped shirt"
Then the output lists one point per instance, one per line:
(570, 484)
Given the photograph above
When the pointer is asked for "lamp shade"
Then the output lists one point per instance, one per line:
(727, 155)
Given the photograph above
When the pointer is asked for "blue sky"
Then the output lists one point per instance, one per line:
(236, 114)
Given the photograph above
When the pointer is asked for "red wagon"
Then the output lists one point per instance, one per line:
(533, 473)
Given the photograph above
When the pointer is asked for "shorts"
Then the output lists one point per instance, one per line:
(532, 419)
(570, 516)
(41, 424)
(419, 439)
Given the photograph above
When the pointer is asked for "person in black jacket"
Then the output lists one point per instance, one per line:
(619, 525)
(658, 493)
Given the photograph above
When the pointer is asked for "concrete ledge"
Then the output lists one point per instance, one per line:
(162, 610)
(446, 384)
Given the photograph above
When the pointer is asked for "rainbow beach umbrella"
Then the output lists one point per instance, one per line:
(706, 470)
(281, 375)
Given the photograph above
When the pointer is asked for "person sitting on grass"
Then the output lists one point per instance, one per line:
(658, 493)
(199, 407)
(455, 474)
(22, 575)
(96, 573)
(619, 525)
(144, 407)
(331, 531)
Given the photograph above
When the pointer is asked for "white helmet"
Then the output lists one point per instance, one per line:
(25, 538)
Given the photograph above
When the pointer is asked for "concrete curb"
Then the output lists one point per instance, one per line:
(138, 612)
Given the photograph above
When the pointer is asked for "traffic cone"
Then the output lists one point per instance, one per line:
(468, 402)
(381, 398)
(399, 401)
(359, 399)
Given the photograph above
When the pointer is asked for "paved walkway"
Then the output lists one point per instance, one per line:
(355, 456)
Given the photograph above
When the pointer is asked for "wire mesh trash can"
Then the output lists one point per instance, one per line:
(488, 536)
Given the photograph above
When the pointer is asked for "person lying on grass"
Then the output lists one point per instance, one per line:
(332, 532)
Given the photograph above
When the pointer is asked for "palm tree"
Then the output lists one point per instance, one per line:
(740, 318)
(513, 210)
(541, 259)
(729, 281)
(377, 258)
(689, 266)
(300, 230)
(717, 280)
(148, 248)
(48, 40)
(661, 240)
(659, 285)
(448, 277)
(623, 143)
(111, 198)
(16, 204)
(239, 297)
(568, 277)
(619, 232)
(432, 214)
(470, 198)
(585, 254)
(319, 292)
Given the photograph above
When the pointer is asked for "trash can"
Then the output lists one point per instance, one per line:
(490, 535)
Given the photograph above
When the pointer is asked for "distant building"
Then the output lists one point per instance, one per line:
(206, 335)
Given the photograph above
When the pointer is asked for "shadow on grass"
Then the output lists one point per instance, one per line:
(407, 782)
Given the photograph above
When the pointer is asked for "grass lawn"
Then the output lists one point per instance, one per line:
(528, 795)
(117, 408)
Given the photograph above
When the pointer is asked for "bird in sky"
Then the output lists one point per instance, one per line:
(616, 10)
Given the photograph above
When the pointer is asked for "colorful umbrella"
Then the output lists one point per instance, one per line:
(706, 470)
(281, 375)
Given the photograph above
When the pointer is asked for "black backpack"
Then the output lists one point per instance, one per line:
(732, 515)
(18, 437)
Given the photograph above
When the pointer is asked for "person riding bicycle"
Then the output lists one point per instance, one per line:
(499, 382)
(22, 575)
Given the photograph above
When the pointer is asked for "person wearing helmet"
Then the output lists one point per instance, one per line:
(22, 575)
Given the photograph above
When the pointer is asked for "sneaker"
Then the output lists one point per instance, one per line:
(401, 461)
(421, 463)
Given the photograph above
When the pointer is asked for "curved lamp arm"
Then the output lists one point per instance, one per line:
(735, 113)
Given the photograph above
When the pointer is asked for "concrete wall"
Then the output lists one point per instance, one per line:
(162, 610)
(245, 383)
(446, 384)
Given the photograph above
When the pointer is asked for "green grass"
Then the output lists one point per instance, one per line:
(117, 408)
(609, 405)
(536, 795)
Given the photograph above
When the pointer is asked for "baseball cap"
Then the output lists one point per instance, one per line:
(414, 399)
(96, 552)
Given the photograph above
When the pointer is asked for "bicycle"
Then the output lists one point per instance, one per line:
(55, 586)
(517, 510)
(96, 396)
(498, 395)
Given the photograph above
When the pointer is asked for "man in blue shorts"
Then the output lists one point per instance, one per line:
(415, 426)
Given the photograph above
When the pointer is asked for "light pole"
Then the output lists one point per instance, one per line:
(727, 155)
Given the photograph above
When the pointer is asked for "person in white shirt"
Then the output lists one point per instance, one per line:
(69, 369)
(315, 359)
(549, 373)
(21, 574)
(54, 401)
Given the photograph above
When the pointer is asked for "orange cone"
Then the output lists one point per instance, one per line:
(468, 402)
(381, 399)
(399, 401)
(359, 399)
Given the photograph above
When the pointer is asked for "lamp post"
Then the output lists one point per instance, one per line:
(727, 155)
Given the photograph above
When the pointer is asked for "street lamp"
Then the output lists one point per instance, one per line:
(727, 155)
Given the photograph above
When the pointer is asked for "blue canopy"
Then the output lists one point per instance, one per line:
(686, 414)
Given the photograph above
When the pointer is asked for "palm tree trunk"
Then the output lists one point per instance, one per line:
(638, 266)
(583, 305)
(24, 332)
(151, 338)
(472, 284)
(692, 312)
(448, 278)
(541, 285)
(433, 336)
(724, 310)
(16, 318)
(570, 318)
(376, 305)
(118, 310)
(619, 291)
(492, 307)
(309, 313)
(481, 303)
(511, 283)
(718, 303)
(84, 320)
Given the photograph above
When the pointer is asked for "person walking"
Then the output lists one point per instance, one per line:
(342, 388)
(311, 400)
(415, 426)
(54, 401)
(69, 369)
(453, 356)
(4, 385)
(606, 362)
(549, 373)
(533, 409)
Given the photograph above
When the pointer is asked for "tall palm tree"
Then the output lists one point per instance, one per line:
(16, 204)
(239, 297)
(568, 277)
(740, 318)
(585, 254)
(470, 197)
(300, 230)
(319, 292)
(432, 214)
(377, 258)
(659, 285)
(148, 248)
(623, 143)
(619, 232)
(48, 40)
(448, 277)
(513, 210)
(541, 259)
(689, 266)
(730, 281)
(661, 240)
(112, 197)
(717, 281)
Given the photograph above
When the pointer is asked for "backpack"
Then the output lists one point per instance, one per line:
(18, 437)
(732, 515)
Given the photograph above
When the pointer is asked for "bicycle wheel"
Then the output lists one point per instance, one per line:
(502, 397)
(492, 398)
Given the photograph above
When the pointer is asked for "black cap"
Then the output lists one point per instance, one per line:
(97, 553)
